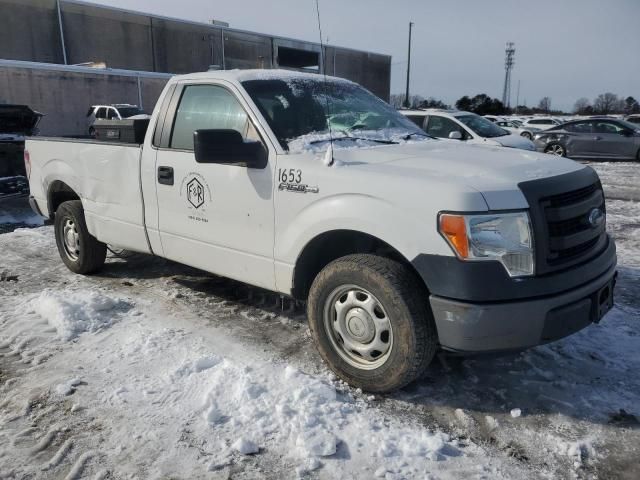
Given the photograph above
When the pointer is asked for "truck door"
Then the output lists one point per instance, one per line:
(215, 217)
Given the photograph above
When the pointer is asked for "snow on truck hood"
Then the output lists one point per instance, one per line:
(493, 171)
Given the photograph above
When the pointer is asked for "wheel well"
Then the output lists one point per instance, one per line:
(329, 246)
(59, 192)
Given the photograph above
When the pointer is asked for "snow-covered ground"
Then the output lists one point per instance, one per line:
(155, 370)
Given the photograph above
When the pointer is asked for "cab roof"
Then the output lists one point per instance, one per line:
(237, 76)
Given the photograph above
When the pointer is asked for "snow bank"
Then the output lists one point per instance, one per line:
(307, 418)
(72, 313)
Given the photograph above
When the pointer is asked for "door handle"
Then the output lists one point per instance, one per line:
(165, 175)
(597, 138)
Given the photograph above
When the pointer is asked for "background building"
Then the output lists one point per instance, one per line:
(48, 49)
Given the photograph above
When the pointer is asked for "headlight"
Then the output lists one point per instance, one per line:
(502, 237)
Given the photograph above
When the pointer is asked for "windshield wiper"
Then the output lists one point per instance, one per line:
(349, 137)
(409, 135)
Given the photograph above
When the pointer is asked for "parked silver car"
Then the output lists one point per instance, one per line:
(592, 138)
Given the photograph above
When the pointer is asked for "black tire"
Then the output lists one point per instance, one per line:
(92, 132)
(89, 254)
(413, 337)
(555, 148)
(526, 135)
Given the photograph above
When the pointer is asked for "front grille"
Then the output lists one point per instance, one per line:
(571, 197)
(570, 233)
(560, 208)
(573, 252)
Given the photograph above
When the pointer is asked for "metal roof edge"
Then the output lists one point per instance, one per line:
(81, 69)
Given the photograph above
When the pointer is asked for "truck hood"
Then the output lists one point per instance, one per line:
(18, 119)
(495, 172)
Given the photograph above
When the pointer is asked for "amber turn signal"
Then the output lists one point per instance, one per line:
(454, 229)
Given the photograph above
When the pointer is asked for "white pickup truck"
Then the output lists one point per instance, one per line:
(401, 244)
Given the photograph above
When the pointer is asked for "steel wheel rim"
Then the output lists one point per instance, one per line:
(556, 150)
(358, 327)
(71, 240)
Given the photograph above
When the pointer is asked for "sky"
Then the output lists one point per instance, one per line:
(565, 49)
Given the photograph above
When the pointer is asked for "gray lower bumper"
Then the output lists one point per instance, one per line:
(487, 327)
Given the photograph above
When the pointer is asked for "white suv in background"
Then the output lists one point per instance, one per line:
(466, 126)
(116, 111)
(534, 125)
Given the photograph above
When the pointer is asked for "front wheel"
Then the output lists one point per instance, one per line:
(80, 251)
(371, 322)
(555, 149)
(526, 135)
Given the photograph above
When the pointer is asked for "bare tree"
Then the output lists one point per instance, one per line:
(415, 101)
(606, 103)
(396, 100)
(545, 104)
(582, 106)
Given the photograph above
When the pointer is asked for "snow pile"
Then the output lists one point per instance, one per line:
(308, 420)
(72, 313)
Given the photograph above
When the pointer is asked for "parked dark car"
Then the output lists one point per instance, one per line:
(603, 138)
(16, 122)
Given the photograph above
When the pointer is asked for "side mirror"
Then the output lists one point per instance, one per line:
(229, 148)
(455, 135)
(626, 133)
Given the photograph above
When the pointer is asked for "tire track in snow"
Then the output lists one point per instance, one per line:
(78, 467)
(59, 455)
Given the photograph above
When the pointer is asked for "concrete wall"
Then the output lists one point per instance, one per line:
(65, 111)
(136, 41)
(370, 70)
(94, 34)
(185, 47)
(29, 31)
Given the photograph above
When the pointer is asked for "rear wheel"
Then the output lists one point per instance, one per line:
(555, 149)
(79, 250)
(371, 323)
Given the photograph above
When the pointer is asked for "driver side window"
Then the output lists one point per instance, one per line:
(441, 127)
(607, 127)
(208, 107)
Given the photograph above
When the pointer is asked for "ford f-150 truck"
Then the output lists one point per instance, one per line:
(400, 244)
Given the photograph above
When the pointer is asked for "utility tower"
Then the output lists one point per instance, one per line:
(509, 53)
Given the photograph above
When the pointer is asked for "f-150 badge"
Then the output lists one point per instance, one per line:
(297, 188)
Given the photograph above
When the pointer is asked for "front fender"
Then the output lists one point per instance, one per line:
(399, 227)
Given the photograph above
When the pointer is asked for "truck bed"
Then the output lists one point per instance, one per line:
(106, 176)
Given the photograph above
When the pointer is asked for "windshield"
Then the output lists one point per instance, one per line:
(629, 125)
(481, 126)
(300, 111)
(126, 112)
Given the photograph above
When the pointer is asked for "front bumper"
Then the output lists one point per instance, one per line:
(515, 325)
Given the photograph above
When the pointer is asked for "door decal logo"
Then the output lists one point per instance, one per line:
(195, 193)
